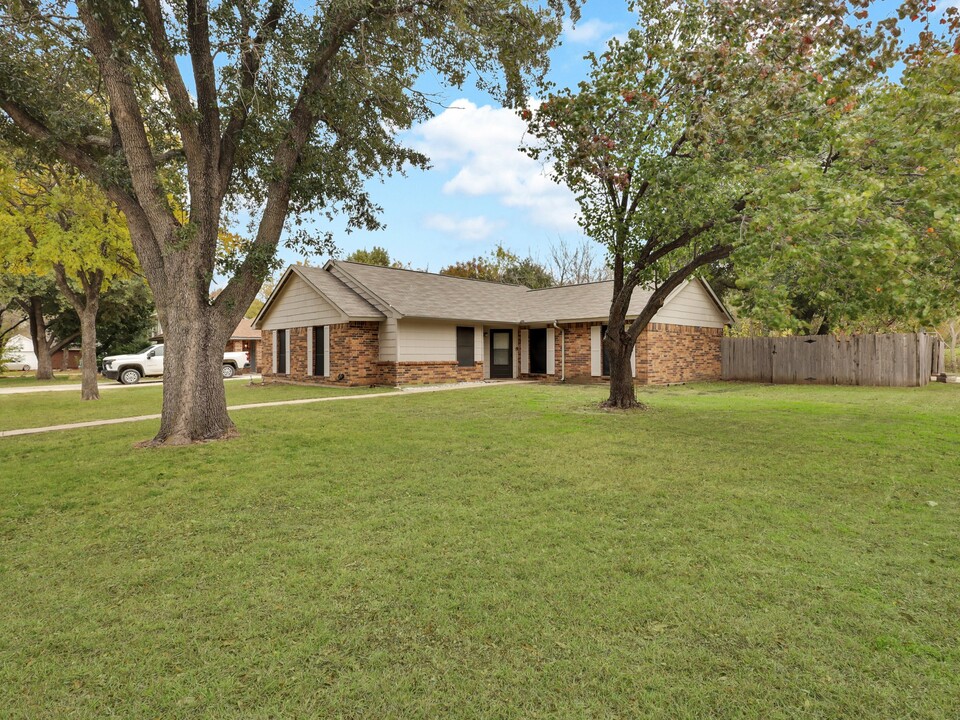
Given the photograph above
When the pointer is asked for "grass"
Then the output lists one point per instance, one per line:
(54, 408)
(29, 379)
(737, 551)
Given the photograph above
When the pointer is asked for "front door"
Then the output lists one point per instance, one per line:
(538, 351)
(501, 353)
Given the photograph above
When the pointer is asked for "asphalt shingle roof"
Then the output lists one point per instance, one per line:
(413, 293)
(374, 292)
(576, 302)
(337, 291)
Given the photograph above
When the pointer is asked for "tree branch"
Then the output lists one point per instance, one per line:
(127, 115)
(73, 297)
(249, 69)
(660, 294)
(170, 72)
(303, 120)
(205, 78)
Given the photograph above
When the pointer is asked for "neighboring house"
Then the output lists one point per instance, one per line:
(244, 338)
(19, 354)
(22, 356)
(356, 324)
(66, 359)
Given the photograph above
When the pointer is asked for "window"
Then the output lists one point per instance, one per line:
(604, 354)
(465, 346)
(319, 359)
(158, 351)
(281, 352)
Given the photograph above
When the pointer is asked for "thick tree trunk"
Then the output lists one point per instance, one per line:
(194, 401)
(41, 346)
(88, 353)
(622, 394)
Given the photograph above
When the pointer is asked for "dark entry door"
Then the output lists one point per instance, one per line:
(538, 351)
(501, 353)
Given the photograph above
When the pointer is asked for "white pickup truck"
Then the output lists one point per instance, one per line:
(128, 369)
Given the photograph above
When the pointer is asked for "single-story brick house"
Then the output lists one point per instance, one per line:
(353, 324)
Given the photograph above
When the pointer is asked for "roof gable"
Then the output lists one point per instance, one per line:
(342, 299)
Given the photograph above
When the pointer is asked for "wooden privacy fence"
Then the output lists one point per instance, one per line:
(903, 359)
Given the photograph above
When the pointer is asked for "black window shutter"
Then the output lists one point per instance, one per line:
(465, 345)
(281, 352)
(604, 354)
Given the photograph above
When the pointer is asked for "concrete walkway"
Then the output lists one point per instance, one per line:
(278, 403)
(101, 384)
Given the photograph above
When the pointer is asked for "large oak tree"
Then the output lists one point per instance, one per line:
(274, 108)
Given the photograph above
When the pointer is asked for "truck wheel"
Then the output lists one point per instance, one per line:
(130, 376)
(228, 371)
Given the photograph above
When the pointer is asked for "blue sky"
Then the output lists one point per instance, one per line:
(481, 190)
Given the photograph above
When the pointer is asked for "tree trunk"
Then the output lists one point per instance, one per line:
(619, 350)
(194, 400)
(953, 346)
(86, 306)
(88, 353)
(41, 346)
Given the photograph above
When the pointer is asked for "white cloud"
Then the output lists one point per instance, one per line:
(468, 228)
(482, 143)
(587, 31)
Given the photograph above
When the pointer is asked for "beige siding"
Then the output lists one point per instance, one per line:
(388, 340)
(485, 351)
(551, 352)
(596, 348)
(432, 341)
(326, 352)
(524, 351)
(310, 368)
(692, 305)
(299, 305)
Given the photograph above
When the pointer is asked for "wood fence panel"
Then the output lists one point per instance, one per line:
(902, 360)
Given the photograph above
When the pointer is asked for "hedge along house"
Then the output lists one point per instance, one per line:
(353, 324)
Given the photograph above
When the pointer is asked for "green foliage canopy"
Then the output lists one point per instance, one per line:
(375, 256)
(688, 136)
(503, 266)
(873, 239)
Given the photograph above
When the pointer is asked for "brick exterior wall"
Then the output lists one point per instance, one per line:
(577, 342)
(354, 352)
(665, 354)
(681, 353)
(428, 372)
(265, 354)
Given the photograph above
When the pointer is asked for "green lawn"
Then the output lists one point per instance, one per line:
(29, 379)
(55, 408)
(737, 551)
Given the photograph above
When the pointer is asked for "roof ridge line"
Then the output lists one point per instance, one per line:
(432, 274)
